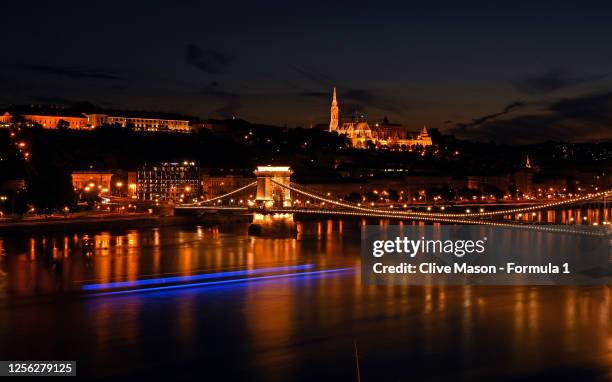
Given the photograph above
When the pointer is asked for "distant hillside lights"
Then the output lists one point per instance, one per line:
(362, 134)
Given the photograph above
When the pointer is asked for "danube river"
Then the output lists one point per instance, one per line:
(306, 316)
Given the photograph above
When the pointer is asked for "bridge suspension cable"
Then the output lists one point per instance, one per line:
(293, 187)
(443, 218)
(224, 195)
(384, 215)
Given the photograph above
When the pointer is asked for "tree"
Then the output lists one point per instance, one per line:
(19, 203)
(393, 195)
(353, 197)
(50, 189)
(371, 197)
(63, 124)
(17, 119)
(91, 197)
(468, 193)
(513, 190)
(493, 190)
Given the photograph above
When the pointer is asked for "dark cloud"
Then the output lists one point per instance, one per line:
(314, 94)
(77, 72)
(577, 119)
(591, 109)
(9, 86)
(313, 75)
(350, 110)
(480, 120)
(208, 60)
(519, 130)
(214, 89)
(352, 100)
(231, 101)
(367, 97)
(229, 110)
(551, 81)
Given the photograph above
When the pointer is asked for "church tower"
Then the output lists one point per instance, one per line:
(333, 123)
(424, 133)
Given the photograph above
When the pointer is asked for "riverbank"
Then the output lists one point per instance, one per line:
(88, 221)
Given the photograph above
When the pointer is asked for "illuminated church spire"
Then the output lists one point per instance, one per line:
(527, 162)
(333, 123)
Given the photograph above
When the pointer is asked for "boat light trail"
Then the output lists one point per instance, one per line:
(205, 276)
(225, 282)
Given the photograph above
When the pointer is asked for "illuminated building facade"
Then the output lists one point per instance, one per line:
(55, 121)
(407, 187)
(523, 178)
(213, 185)
(361, 133)
(485, 182)
(12, 185)
(57, 117)
(139, 122)
(168, 182)
(5, 118)
(86, 180)
(132, 184)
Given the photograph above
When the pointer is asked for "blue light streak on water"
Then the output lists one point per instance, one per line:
(224, 282)
(206, 276)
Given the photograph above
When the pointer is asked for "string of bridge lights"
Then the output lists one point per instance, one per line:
(213, 208)
(435, 217)
(224, 195)
(446, 215)
(379, 212)
(384, 214)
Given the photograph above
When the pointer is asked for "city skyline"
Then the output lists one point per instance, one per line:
(297, 191)
(458, 68)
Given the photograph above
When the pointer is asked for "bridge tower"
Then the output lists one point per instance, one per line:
(269, 192)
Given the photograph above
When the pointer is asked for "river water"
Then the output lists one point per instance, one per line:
(307, 326)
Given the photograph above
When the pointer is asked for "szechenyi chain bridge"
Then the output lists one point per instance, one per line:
(277, 196)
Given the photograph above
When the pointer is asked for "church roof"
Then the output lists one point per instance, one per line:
(362, 126)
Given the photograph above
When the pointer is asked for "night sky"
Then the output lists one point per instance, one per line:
(510, 71)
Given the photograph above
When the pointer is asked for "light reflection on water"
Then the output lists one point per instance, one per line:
(583, 215)
(294, 328)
